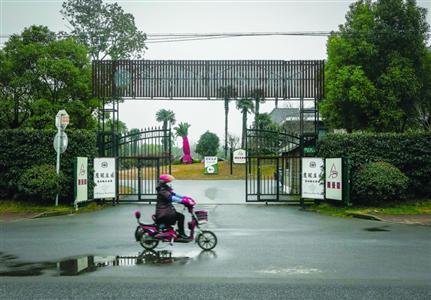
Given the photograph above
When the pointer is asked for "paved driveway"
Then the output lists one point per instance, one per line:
(276, 250)
(205, 191)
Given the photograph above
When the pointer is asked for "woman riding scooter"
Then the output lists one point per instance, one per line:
(165, 211)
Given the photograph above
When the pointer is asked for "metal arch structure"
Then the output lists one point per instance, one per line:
(202, 79)
(299, 80)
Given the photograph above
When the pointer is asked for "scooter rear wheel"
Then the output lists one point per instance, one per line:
(207, 240)
(148, 242)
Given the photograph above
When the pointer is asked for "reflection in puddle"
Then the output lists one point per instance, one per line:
(86, 264)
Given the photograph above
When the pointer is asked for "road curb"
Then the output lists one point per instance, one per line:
(365, 216)
(51, 214)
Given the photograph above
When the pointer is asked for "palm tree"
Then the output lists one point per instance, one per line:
(259, 97)
(226, 93)
(182, 130)
(167, 117)
(245, 105)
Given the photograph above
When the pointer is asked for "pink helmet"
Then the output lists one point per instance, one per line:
(166, 178)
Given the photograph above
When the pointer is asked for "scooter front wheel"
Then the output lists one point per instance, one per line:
(207, 240)
(148, 242)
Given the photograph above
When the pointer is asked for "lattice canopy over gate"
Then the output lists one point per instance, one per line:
(202, 79)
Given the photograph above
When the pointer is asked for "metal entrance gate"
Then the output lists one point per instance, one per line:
(143, 156)
(273, 166)
(273, 179)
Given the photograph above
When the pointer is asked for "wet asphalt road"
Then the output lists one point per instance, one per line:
(264, 252)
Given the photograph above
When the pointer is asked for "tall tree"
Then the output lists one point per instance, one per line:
(227, 93)
(424, 107)
(182, 130)
(246, 106)
(375, 74)
(233, 141)
(40, 74)
(167, 117)
(259, 97)
(104, 28)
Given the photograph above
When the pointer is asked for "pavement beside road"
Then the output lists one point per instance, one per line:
(423, 219)
(228, 192)
(20, 216)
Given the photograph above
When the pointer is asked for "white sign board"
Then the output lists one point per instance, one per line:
(104, 178)
(239, 156)
(211, 165)
(81, 179)
(312, 170)
(333, 178)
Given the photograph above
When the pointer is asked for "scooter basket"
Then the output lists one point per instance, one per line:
(202, 216)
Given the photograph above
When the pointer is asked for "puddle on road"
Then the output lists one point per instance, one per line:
(375, 229)
(10, 266)
(211, 193)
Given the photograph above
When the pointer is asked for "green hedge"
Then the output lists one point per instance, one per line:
(409, 152)
(22, 149)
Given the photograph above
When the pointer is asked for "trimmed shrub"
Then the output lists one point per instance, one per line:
(40, 183)
(409, 152)
(378, 182)
(21, 149)
(208, 144)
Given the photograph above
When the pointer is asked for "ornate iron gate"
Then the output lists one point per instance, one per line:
(142, 157)
(273, 167)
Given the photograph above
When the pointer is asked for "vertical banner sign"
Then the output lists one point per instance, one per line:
(334, 178)
(312, 171)
(239, 156)
(81, 179)
(211, 165)
(104, 178)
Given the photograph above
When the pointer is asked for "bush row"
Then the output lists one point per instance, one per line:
(22, 149)
(409, 152)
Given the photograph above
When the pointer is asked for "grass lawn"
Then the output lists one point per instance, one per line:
(195, 171)
(407, 208)
(21, 207)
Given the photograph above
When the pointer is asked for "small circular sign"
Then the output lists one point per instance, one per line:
(64, 140)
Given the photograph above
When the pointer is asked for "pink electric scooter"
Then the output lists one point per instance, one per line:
(149, 235)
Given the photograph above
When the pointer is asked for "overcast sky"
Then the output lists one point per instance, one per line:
(159, 16)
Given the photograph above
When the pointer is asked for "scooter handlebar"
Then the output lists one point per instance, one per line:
(188, 202)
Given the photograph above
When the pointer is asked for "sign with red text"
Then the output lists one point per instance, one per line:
(81, 179)
(333, 179)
